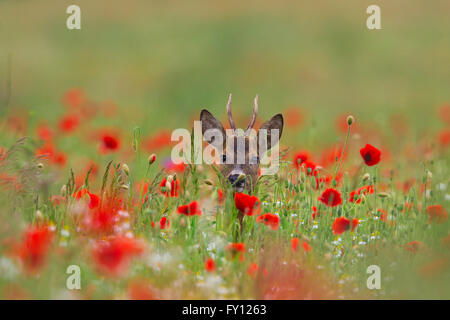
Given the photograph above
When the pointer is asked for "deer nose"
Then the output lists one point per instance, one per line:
(233, 178)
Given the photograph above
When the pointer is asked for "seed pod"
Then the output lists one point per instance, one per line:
(350, 120)
(40, 165)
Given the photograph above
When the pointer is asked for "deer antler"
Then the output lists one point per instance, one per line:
(255, 113)
(230, 116)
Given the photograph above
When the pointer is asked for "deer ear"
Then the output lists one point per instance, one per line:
(209, 122)
(275, 123)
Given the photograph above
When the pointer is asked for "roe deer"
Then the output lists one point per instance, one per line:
(240, 154)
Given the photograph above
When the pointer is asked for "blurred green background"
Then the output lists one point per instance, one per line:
(162, 61)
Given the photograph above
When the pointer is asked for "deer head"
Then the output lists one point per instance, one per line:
(239, 151)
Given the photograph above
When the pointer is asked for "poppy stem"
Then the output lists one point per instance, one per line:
(342, 153)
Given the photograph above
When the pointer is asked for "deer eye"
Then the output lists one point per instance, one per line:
(224, 158)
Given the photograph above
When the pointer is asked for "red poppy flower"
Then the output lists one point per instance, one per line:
(444, 137)
(294, 243)
(140, 290)
(210, 266)
(49, 151)
(310, 168)
(342, 224)
(306, 246)
(94, 200)
(74, 98)
(170, 166)
(33, 250)
(299, 158)
(174, 187)
(248, 205)
(252, 270)
(44, 132)
(437, 214)
(164, 223)
(383, 215)
(370, 155)
(331, 197)
(269, 219)
(356, 195)
(237, 247)
(69, 123)
(109, 143)
(161, 140)
(190, 209)
(113, 256)
(294, 117)
(220, 195)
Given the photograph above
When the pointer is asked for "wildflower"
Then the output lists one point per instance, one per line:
(94, 200)
(236, 249)
(210, 266)
(74, 98)
(44, 132)
(299, 158)
(174, 188)
(140, 290)
(306, 246)
(269, 219)
(33, 250)
(109, 143)
(294, 243)
(164, 223)
(293, 117)
(357, 194)
(113, 256)
(444, 137)
(248, 205)
(370, 155)
(252, 270)
(331, 197)
(220, 195)
(68, 123)
(437, 214)
(190, 209)
(342, 224)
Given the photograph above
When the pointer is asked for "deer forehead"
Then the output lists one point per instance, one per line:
(236, 144)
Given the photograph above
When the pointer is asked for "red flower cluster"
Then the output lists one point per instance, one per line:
(236, 249)
(248, 205)
(356, 195)
(113, 256)
(190, 209)
(33, 250)
(342, 224)
(174, 188)
(210, 266)
(269, 219)
(331, 197)
(370, 155)
(437, 214)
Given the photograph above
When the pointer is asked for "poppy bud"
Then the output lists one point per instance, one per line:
(125, 168)
(429, 174)
(383, 194)
(366, 177)
(350, 120)
(163, 189)
(151, 158)
(175, 177)
(169, 178)
(168, 186)
(40, 165)
(39, 215)
(124, 186)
